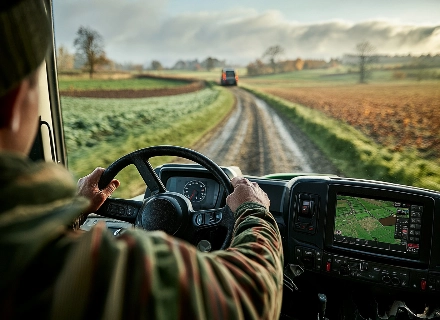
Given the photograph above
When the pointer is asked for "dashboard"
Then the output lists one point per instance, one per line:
(349, 239)
(363, 230)
(367, 239)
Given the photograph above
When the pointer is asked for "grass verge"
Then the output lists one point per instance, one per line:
(353, 153)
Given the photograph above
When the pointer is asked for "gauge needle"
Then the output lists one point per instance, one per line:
(192, 195)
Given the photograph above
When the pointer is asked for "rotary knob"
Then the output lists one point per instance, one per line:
(204, 246)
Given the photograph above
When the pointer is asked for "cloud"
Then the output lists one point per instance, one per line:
(140, 33)
(120, 22)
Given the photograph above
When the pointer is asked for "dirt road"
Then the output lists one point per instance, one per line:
(257, 140)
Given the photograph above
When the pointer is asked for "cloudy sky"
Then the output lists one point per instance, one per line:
(239, 31)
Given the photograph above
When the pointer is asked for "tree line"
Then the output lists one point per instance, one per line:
(90, 55)
(365, 56)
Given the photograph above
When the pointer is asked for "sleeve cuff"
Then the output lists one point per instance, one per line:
(248, 205)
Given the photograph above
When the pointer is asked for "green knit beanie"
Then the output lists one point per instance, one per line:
(24, 40)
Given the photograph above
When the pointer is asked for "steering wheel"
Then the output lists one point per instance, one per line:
(168, 211)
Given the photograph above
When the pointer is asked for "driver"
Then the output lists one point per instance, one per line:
(49, 271)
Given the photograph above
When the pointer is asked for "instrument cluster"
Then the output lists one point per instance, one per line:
(202, 192)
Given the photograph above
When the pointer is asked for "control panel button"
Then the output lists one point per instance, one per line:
(298, 254)
(386, 279)
(308, 258)
(307, 213)
(363, 266)
(328, 266)
(199, 219)
(305, 208)
(395, 281)
(423, 284)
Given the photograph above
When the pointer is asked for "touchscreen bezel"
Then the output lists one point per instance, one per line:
(386, 195)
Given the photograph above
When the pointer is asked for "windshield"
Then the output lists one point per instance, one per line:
(341, 88)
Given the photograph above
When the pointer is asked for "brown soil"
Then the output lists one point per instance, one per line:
(191, 87)
(397, 116)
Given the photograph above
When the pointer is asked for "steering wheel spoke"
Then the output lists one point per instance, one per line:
(121, 209)
(148, 175)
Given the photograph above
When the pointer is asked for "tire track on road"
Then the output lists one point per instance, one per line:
(259, 141)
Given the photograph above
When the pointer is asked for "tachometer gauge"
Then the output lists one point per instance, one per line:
(195, 191)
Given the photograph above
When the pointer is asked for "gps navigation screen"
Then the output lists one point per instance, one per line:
(374, 223)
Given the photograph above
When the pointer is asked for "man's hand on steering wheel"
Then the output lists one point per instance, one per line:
(88, 188)
(246, 191)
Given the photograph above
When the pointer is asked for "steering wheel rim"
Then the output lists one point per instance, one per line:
(141, 212)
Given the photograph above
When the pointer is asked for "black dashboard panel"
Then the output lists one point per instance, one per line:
(365, 232)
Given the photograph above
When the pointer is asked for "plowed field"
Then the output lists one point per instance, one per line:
(397, 116)
(134, 93)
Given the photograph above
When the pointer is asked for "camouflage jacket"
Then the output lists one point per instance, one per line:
(48, 271)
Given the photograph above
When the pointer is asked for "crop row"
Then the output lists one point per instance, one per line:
(117, 84)
(88, 121)
(99, 131)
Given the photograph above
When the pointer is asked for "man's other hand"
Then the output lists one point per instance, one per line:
(246, 191)
(88, 188)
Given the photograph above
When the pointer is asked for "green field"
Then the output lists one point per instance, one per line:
(99, 131)
(66, 84)
(341, 76)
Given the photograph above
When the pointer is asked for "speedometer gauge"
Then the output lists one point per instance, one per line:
(195, 191)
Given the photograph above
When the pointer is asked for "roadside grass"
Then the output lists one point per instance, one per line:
(80, 84)
(353, 153)
(99, 131)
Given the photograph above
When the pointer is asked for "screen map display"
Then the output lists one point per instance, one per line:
(374, 223)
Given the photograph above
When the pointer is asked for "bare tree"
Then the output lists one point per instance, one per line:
(257, 68)
(156, 65)
(365, 54)
(210, 63)
(272, 53)
(64, 59)
(89, 44)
